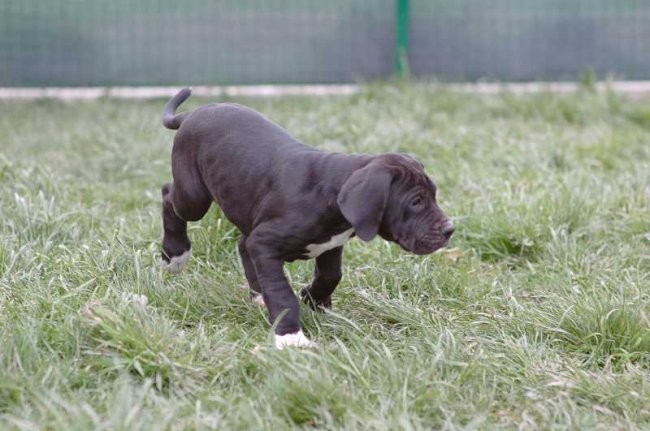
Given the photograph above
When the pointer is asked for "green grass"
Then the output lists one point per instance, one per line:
(537, 317)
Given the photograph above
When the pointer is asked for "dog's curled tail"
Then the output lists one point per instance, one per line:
(170, 119)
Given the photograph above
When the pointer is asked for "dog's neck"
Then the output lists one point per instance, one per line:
(338, 167)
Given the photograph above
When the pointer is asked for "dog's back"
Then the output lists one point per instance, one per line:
(228, 148)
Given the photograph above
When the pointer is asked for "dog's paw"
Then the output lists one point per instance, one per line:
(258, 300)
(315, 304)
(140, 301)
(177, 263)
(296, 339)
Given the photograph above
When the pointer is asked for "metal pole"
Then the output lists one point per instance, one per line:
(402, 39)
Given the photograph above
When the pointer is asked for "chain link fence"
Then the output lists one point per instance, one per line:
(230, 42)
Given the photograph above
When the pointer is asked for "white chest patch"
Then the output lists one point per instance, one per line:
(338, 240)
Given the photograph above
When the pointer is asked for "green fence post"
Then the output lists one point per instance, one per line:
(402, 38)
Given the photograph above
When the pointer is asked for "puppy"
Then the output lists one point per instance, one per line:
(290, 201)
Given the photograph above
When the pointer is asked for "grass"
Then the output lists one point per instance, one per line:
(537, 317)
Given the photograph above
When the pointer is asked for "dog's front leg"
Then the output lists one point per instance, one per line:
(280, 300)
(327, 275)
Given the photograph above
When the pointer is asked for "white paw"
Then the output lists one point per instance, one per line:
(258, 300)
(296, 339)
(177, 263)
(135, 299)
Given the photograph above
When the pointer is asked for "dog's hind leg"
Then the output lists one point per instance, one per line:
(249, 271)
(179, 207)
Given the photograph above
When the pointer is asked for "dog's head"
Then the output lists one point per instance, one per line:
(392, 196)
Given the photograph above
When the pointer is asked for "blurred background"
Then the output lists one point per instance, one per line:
(230, 42)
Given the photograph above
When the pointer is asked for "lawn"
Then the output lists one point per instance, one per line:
(537, 316)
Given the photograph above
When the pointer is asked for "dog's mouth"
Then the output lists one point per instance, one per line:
(424, 245)
(422, 249)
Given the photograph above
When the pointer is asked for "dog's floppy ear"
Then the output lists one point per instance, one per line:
(363, 199)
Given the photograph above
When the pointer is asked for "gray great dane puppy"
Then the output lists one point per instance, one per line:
(290, 201)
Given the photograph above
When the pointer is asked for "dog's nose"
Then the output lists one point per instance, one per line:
(448, 229)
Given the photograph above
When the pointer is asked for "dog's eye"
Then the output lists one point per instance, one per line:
(417, 201)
